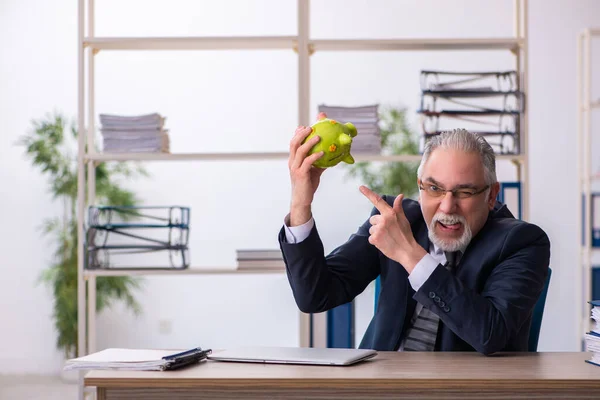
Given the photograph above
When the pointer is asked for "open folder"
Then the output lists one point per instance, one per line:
(138, 359)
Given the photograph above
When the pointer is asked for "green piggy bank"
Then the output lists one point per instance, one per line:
(335, 142)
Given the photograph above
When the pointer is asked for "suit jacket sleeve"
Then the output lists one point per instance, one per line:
(487, 320)
(321, 283)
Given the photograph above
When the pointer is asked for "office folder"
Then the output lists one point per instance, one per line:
(592, 338)
(128, 237)
(488, 103)
(138, 359)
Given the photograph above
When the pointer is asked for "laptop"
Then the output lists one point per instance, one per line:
(293, 355)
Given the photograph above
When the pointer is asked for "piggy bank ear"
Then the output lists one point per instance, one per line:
(351, 129)
(344, 139)
(321, 116)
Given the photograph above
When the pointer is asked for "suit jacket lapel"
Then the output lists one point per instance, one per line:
(422, 236)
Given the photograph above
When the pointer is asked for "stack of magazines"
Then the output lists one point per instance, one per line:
(134, 134)
(592, 338)
(260, 259)
(488, 103)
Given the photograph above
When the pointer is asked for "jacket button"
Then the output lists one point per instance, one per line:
(431, 295)
(446, 308)
(442, 304)
(437, 299)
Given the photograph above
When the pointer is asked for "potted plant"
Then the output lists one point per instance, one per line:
(391, 178)
(51, 147)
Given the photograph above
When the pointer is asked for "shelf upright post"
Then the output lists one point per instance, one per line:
(587, 167)
(91, 174)
(581, 221)
(524, 52)
(81, 343)
(517, 28)
(303, 114)
(521, 32)
(303, 62)
(81, 309)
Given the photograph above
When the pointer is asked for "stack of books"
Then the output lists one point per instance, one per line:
(488, 103)
(260, 259)
(134, 134)
(592, 338)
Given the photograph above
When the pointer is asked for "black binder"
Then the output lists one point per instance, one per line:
(176, 361)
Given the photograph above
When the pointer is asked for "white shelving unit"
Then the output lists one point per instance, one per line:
(301, 43)
(585, 107)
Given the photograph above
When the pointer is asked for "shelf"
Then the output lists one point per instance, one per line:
(290, 42)
(189, 271)
(416, 44)
(191, 43)
(103, 157)
(109, 226)
(186, 156)
(470, 93)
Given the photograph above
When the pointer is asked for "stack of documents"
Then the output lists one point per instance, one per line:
(137, 359)
(592, 338)
(134, 134)
(260, 259)
(366, 121)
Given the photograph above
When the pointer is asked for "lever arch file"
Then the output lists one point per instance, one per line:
(127, 237)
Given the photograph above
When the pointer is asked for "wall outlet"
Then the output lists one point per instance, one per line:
(165, 326)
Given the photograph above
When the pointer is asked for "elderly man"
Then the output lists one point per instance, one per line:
(458, 271)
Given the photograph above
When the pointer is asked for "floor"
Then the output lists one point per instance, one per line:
(36, 388)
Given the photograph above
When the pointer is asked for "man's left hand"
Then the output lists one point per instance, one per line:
(390, 231)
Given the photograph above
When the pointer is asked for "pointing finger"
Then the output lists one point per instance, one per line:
(374, 198)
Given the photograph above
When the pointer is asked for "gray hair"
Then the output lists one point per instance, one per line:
(462, 139)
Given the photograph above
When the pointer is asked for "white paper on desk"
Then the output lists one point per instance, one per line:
(127, 359)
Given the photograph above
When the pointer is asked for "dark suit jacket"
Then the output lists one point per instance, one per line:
(485, 305)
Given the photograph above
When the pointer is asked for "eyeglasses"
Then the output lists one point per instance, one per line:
(436, 191)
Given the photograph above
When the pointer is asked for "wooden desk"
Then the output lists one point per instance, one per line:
(389, 375)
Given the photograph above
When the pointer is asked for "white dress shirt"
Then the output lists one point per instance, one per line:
(421, 272)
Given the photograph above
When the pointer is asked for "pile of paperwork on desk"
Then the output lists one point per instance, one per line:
(137, 359)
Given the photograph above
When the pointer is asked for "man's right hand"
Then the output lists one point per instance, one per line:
(304, 176)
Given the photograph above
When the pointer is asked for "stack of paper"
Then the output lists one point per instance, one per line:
(592, 338)
(134, 134)
(127, 359)
(366, 121)
(260, 259)
(138, 359)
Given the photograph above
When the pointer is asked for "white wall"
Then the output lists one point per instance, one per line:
(228, 101)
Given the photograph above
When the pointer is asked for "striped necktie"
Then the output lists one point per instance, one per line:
(423, 332)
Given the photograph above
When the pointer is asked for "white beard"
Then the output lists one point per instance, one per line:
(450, 245)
